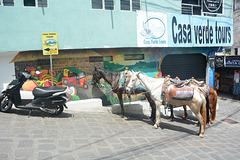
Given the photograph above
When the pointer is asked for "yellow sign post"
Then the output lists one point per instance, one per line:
(49, 43)
(50, 46)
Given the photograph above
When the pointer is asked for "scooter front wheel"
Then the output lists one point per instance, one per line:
(59, 110)
(6, 104)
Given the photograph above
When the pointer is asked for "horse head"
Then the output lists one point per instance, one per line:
(96, 76)
(132, 81)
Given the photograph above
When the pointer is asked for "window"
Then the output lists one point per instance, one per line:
(236, 51)
(103, 4)
(6, 2)
(95, 59)
(192, 7)
(236, 5)
(35, 3)
(130, 5)
(129, 57)
(108, 58)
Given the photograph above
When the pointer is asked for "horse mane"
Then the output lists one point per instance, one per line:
(154, 82)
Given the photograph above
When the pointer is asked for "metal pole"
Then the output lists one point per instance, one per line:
(51, 69)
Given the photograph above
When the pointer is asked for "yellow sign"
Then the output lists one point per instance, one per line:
(49, 43)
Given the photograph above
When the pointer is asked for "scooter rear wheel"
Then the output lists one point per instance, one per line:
(6, 104)
(59, 110)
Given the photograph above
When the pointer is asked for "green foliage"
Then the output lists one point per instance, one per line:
(39, 68)
(114, 67)
(59, 77)
(75, 98)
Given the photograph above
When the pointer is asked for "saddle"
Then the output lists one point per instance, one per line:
(47, 91)
(183, 90)
(195, 82)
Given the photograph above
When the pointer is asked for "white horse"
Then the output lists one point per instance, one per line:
(155, 87)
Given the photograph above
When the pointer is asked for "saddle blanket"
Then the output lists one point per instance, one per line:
(184, 93)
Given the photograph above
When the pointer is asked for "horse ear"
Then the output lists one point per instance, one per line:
(138, 73)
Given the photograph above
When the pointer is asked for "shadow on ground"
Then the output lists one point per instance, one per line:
(36, 113)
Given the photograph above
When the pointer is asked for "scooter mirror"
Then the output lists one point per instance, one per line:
(31, 77)
(23, 76)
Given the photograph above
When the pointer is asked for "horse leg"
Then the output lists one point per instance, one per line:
(121, 103)
(171, 116)
(158, 113)
(202, 117)
(153, 107)
(185, 112)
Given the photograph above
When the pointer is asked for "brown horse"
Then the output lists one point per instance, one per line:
(208, 92)
(114, 80)
(212, 103)
(172, 97)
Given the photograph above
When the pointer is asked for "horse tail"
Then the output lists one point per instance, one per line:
(207, 108)
(213, 115)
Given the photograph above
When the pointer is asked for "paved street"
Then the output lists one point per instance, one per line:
(88, 135)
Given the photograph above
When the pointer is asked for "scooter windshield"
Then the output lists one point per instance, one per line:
(24, 76)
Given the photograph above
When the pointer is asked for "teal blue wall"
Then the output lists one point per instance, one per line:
(78, 26)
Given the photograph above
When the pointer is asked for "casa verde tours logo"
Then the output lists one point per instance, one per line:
(153, 29)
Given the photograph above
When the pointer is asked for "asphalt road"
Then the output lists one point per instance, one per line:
(92, 135)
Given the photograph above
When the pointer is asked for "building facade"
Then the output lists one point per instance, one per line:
(177, 38)
(236, 28)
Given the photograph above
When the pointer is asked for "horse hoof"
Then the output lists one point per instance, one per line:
(200, 136)
(122, 116)
(154, 126)
(196, 125)
(185, 118)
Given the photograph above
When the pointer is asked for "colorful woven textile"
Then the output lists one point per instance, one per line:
(184, 93)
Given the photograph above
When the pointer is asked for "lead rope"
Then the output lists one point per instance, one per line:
(124, 89)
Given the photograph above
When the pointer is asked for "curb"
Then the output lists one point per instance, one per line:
(136, 107)
(95, 105)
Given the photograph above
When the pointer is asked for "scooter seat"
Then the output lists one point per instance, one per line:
(47, 91)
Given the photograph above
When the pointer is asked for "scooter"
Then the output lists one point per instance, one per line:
(47, 99)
